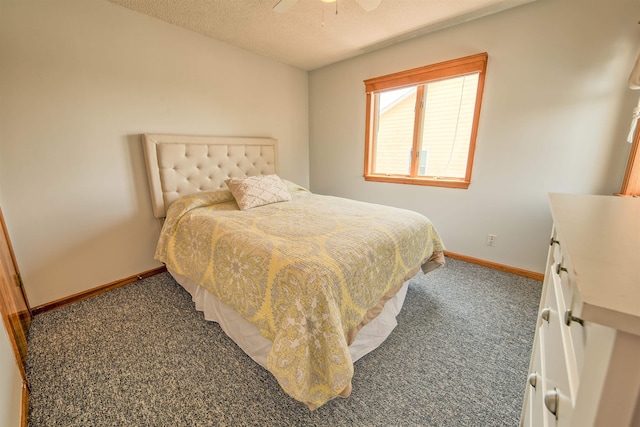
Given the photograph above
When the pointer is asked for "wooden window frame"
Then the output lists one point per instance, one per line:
(631, 182)
(418, 76)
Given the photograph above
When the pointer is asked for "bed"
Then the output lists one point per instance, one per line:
(305, 284)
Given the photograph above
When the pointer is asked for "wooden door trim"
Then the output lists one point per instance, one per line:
(13, 258)
(14, 345)
(7, 317)
(24, 407)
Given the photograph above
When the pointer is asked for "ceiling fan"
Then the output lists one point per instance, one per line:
(285, 5)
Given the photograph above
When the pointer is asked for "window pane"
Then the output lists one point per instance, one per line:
(394, 137)
(447, 123)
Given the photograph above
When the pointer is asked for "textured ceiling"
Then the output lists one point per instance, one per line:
(310, 34)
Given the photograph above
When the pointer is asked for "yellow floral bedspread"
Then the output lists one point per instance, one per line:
(305, 272)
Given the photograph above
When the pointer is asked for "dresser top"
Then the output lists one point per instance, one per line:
(601, 237)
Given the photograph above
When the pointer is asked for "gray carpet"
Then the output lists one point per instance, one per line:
(141, 355)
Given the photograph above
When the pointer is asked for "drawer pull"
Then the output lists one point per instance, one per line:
(553, 241)
(544, 314)
(568, 318)
(533, 379)
(551, 399)
(560, 268)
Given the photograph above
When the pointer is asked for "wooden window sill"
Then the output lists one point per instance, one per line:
(444, 182)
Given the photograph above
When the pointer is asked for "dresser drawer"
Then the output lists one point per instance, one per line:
(576, 338)
(569, 305)
(563, 278)
(555, 359)
(533, 413)
(556, 253)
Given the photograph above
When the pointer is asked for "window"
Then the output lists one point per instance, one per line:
(631, 182)
(421, 124)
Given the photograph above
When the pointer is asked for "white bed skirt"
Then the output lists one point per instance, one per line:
(249, 339)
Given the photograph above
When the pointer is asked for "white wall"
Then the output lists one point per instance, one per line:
(10, 383)
(80, 80)
(555, 115)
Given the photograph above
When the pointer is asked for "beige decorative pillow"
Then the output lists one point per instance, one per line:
(253, 191)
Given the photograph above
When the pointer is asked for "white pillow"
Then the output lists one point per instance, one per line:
(259, 190)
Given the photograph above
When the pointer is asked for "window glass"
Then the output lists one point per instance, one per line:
(446, 125)
(394, 138)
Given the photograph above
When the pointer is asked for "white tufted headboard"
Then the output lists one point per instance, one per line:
(181, 164)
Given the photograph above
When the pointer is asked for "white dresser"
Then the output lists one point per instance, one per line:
(585, 361)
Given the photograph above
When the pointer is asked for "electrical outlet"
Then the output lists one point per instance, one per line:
(491, 239)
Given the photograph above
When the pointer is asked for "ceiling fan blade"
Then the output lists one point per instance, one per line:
(368, 5)
(284, 5)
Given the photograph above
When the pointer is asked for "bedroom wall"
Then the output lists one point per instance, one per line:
(555, 116)
(80, 80)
